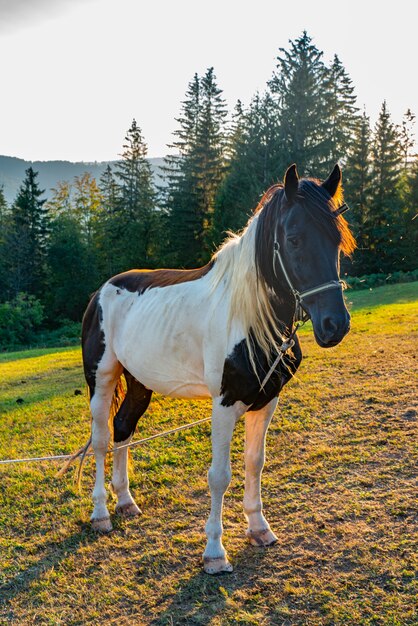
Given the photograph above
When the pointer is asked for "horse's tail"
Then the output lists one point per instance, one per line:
(117, 399)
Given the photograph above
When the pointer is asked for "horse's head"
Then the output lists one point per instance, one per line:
(306, 234)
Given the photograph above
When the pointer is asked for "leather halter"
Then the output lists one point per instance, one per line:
(301, 314)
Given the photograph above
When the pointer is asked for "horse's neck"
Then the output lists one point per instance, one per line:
(284, 309)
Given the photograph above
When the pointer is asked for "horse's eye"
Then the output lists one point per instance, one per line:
(293, 241)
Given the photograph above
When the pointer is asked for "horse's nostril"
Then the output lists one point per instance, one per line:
(329, 325)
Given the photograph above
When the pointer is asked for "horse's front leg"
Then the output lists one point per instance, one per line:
(256, 425)
(223, 422)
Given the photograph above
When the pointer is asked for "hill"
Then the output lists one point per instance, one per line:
(12, 172)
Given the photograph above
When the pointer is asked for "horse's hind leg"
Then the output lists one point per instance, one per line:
(102, 372)
(133, 406)
(107, 375)
(256, 425)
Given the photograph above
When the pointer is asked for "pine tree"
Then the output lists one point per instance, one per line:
(108, 190)
(70, 260)
(341, 112)
(253, 166)
(298, 86)
(27, 239)
(408, 251)
(407, 136)
(4, 226)
(384, 228)
(195, 173)
(135, 203)
(358, 181)
(107, 262)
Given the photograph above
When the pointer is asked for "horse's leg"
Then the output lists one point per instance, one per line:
(256, 425)
(134, 405)
(223, 422)
(107, 374)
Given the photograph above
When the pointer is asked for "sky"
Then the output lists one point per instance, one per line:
(76, 72)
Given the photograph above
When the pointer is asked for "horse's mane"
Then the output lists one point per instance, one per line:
(236, 263)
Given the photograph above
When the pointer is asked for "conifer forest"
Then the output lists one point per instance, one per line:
(55, 253)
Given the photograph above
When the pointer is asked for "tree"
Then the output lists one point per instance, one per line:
(72, 279)
(4, 225)
(341, 112)
(383, 227)
(254, 165)
(86, 204)
(407, 136)
(196, 171)
(358, 182)
(26, 244)
(298, 86)
(132, 221)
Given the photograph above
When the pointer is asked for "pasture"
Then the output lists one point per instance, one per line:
(339, 491)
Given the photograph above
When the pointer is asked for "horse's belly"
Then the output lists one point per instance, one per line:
(164, 355)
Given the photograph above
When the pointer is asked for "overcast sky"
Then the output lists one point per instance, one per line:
(75, 72)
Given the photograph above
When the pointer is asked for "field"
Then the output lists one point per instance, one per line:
(340, 487)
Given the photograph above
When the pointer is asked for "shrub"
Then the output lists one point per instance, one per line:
(19, 320)
(370, 281)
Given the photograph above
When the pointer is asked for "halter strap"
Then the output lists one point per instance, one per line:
(300, 312)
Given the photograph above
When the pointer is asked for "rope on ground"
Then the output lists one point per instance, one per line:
(132, 444)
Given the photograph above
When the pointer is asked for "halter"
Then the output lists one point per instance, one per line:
(301, 314)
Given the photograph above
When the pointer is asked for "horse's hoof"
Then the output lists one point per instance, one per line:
(102, 524)
(128, 510)
(220, 565)
(261, 538)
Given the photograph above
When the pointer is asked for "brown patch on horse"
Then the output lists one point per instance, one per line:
(140, 280)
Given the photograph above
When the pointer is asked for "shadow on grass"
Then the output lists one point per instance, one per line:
(202, 597)
(54, 553)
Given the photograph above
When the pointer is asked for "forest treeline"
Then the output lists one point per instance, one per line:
(55, 253)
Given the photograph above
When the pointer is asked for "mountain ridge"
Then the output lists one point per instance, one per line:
(12, 172)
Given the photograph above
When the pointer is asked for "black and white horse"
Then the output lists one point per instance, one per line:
(214, 332)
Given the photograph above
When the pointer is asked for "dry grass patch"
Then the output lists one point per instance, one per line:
(339, 491)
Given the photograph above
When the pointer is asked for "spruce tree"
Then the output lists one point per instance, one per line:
(383, 228)
(135, 203)
(298, 86)
(253, 166)
(26, 244)
(195, 173)
(4, 225)
(341, 112)
(358, 181)
(407, 136)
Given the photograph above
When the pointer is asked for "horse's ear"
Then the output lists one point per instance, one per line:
(333, 183)
(291, 182)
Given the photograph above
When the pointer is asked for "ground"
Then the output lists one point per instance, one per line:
(340, 488)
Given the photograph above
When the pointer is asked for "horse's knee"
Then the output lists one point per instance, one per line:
(219, 478)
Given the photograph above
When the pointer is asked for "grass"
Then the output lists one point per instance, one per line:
(339, 490)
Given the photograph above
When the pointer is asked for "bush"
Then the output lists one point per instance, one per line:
(377, 280)
(19, 320)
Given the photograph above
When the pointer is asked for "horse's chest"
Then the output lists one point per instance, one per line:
(241, 383)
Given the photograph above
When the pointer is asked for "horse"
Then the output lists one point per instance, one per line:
(215, 332)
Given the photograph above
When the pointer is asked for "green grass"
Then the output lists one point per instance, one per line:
(339, 490)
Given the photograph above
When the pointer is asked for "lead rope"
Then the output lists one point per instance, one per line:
(72, 457)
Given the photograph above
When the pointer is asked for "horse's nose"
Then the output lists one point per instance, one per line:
(334, 328)
(329, 326)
